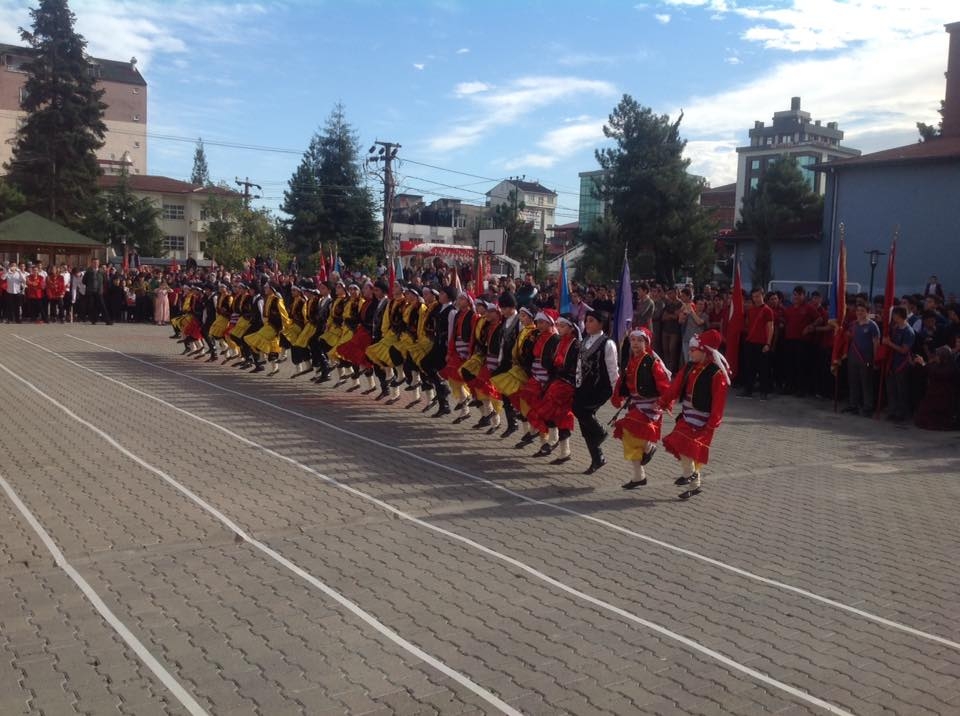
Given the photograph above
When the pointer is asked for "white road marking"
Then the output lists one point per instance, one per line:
(663, 631)
(876, 618)
(165, 677)
(356, 610)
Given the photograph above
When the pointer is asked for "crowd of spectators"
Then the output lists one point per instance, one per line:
(786, 348)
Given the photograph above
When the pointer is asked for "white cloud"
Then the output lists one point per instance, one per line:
(418, 65)
(507, 105)
(463, 50)
(878, 76)
(465, 89)
(662, 17)
(732, 60)
(560, 143)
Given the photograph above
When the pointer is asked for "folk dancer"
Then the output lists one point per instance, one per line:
(420, 350)
(413, 311)
(701, 388)
(354, 351)
(232, 349)
(252, 314)
(290, 332)
(380, 324)
(526, 397)
(599, 373)
(300, 346)
(504, 344)
(644, 380)
(209, 317)
(459, 349)
(441, 328)
(266, 341)
(552, 414)
(391, 328)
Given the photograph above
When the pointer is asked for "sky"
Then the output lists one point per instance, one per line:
(477, 91)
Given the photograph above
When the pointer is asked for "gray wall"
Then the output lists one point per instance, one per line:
(924, 199)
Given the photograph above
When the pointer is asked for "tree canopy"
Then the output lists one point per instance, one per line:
(120, 216)
(930, 131)
(782, 197)
(327, 200)
(201, 172)
(652, 198)
(236, 233)
(54, 163)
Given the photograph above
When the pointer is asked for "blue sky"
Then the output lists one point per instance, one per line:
(497, 89)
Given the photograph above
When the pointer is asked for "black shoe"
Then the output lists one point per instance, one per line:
(511, 429)
(461, 419)
(648, 455)
(560, 460)
(212, 358)
(301, 372)
(384, 392)
(368, 391)
(544, 450)
(243, 365)
(443, 410)
(461, 405)
(483, 422)
(525, 440)
(186, 351)
(412, 387)
(393, 401)
(396, 383)
(690, 493)
(681, 481)
(412, 403)
(258, 368)
(174, 337)
(475, 403)
(596, 465)
(429, 405)
(634, 484)
(323, 377)
(352, 388)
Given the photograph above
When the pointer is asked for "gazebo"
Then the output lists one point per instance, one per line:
(29, 237)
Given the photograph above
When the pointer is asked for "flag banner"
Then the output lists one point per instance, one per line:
(734, 323)
(838, 306)
(564, 288)
(623, 312)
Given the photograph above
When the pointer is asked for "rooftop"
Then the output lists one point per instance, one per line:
(110, 70)
(161, 185)
(943, 149)
(531, 187)
(30, 228)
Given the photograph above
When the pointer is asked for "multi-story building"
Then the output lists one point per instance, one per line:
(183, 217)
(539, 203)
(125, 95)
(592, 208)
(792, 133)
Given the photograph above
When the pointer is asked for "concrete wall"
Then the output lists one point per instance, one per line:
(797, 262)
(924, 199)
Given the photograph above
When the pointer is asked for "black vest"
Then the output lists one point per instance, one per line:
(594, 379)
(702, 397)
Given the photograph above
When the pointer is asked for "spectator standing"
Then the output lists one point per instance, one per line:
(757, 346)
(643, 315)
(694, 318)
(900, 342)
(93, 280)
(55, 291)
(933, 288)
(527, 293)
(16, 281)
(799, 350)
(161, 304)
(670, 330)
(34, 295)
(864, 342)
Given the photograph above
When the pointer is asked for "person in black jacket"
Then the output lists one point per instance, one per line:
(599, 372)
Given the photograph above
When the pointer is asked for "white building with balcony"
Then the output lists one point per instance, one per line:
(539, 203)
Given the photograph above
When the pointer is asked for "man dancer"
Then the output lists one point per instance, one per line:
(701, 389)
(459, 349)
(379, 324)
(318, 347)
(645, 379)
(599, 372)
(508, 336)
(441, 326)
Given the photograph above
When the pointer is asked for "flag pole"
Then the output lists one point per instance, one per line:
(887, 361)
(838, 328)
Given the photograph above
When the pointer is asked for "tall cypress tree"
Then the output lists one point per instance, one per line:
(201, 172)
(54, 159)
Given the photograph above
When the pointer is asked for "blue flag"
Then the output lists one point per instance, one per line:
(564, 288)
(623, 314)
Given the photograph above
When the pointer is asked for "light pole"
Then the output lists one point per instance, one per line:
(875, 255)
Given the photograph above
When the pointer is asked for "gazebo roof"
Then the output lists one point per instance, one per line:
(29, 228)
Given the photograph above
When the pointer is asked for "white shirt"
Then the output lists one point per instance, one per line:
(609, 356)
(15, 281)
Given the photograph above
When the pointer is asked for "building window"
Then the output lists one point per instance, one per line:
(755, 165)
(754, 182)
(539, 201)
(173, 211)
(23, 95)
(136, 91)
(136, 118)
(175, 243)
(204, 214)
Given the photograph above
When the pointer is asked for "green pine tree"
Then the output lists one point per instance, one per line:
(303, 204)
(782, 197)
(348, 207)
(201, 172)
(653, 199)
(54, 161)
(123, 217)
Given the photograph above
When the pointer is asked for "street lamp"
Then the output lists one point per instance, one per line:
(875, 255)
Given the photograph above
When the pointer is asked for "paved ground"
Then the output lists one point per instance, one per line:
(239, 544)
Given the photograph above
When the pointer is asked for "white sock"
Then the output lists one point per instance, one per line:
(553, 435)
(639, 473)
(565, 447)
(496, 420)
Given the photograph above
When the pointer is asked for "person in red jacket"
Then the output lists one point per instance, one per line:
(701, 389)
(34, 295)
(56, 290)
(643, 380)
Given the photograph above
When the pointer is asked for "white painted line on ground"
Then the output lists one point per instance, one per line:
(165, 677)
(356, 610)
(629, 616)
(559, 508)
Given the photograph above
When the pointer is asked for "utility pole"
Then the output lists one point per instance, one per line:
(388, 152)
(246, 191)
